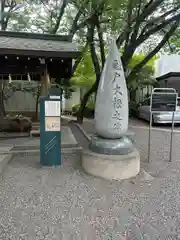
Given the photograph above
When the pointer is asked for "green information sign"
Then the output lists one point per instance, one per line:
(50, 130)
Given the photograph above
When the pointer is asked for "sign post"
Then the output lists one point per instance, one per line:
(50, 131)
(162, 100)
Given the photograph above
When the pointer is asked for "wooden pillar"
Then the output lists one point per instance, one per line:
(45, 81)
(45, 85)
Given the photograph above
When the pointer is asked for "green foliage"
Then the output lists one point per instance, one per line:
(144, 77)
(67, 92)
(84, 75)
(89, 110)
(173, 45)
(14, 15)
(90, 105)
(133, 109)
(135, 23)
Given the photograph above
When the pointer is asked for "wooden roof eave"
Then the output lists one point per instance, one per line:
(39, 53)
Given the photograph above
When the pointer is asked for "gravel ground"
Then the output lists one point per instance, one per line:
(66, 204)
(160, 145)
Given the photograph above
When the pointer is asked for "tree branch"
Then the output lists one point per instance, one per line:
(160, 19)
(168, 42)
(74, 27)
(149, 8)
(61, 12)
(157, 28)
(153, 53)
(101, 42)
(134, 32)
(133, 46)
(77, 62)
(129, 16)
(121, 38)
(95, 60)
(90, 40)
(163, 16)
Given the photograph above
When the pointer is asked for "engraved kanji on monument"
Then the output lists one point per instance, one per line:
(111, 111)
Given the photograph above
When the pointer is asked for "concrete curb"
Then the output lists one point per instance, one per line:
(35, 152)
(4, 161)
(70, 118)
(37, 147)
(83, 131)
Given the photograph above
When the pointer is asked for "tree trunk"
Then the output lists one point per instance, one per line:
(132, 95)
(90, 40)
(37, 103)
(84, 101)
(2, 108)
(1, 99)
(45, 83)
(3, 27)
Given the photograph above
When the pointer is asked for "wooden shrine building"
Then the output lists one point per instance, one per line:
(47, 56)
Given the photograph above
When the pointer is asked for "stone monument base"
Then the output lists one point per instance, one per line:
(117, 167)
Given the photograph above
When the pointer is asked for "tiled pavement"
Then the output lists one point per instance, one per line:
(65, 203)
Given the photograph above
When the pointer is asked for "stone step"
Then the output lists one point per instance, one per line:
(13, 134)
(35, 133)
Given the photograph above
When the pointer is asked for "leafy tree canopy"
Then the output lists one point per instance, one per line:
(93, 23)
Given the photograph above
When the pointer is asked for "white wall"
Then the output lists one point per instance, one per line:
(20, 101)
(166, 64)
(25, 102)
(75, 99)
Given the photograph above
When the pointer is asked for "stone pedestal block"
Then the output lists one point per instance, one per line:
(117, 167)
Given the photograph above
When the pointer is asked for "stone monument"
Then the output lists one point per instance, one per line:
(111, 153)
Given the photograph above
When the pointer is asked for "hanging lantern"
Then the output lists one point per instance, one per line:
(10, 79)
(28, 77)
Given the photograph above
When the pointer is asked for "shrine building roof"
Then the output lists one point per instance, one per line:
(37, 45)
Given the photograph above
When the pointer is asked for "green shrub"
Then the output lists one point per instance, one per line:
(91, 105)
(75, 107)
(88, 112)
(133, 109)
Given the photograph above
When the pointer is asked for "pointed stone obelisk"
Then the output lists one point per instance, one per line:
(111, 112)
(112, 154)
